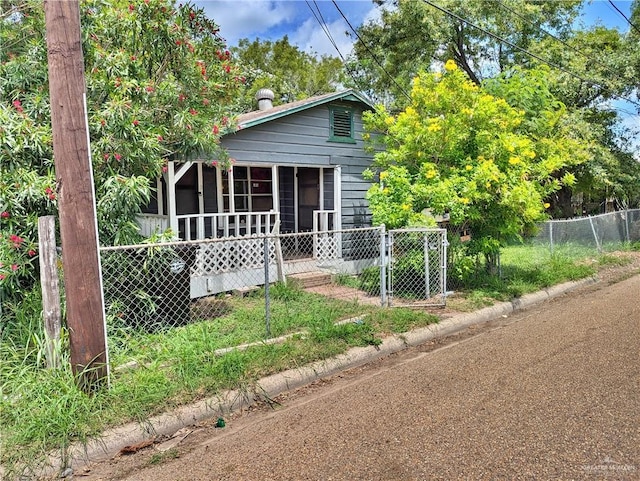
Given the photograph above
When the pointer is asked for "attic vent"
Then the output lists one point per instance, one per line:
(341, 120)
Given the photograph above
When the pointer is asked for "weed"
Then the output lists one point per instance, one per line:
(159, 458)
(347, 280)
(398, 320)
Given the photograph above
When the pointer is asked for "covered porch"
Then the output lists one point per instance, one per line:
(198, 200)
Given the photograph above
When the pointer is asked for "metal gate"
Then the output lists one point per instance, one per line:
(417, 269)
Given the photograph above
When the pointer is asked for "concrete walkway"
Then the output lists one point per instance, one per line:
(552, 392)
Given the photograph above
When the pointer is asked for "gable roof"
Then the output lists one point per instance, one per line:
(258, 117)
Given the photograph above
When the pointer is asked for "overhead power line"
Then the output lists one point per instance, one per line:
(525, 51)
(546, 32)
(373, 56)
(325, 28)
(558, 39)
(625, 17)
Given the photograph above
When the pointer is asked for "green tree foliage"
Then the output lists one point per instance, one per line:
(160, 85)
(487, 162)
(289, 72)
(633, 40)
(600, 62)
(595, 66)
(412, 35)
(598, 66)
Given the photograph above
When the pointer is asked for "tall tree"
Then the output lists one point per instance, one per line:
(289, 72)
(458, 150)
(596, 77)
(633, 38)
(160, 85)
(591, 70)
(412, 35)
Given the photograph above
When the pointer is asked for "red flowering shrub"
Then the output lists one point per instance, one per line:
(156, 87)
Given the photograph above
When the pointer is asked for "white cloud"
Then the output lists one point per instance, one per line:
(375, 13)
(267, 19)
(311, 38)
(247, 18)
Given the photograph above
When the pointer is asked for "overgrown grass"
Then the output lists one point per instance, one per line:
(528, 268)
(42, 410)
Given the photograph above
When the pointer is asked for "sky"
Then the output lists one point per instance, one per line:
(271, 20)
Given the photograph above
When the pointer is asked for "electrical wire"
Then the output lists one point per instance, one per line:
(549, 34)
(373, 56)
(625, 17)
(525, 51)
(571, 47)
(325, 27)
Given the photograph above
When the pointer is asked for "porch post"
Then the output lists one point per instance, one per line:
(337, 196)
(171, 197)
(220, 198)
(275, 189)
(295, 199)
(232, 192)
(321, 182)
(200, 224)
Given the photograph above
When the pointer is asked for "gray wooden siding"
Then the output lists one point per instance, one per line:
(301, 139)
(355, 208)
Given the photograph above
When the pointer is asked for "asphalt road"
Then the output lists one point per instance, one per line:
(549, 393)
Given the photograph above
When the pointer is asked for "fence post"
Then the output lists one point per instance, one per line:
(267, 300)
(626, 224)
(551, 237)
(427, 283)
(50, 288)
(445, 244)
(595, 235)
(383, 266)
(279, 259)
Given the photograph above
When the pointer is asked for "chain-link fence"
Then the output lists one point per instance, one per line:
(161, 286)
(418, 267)
(603, 232)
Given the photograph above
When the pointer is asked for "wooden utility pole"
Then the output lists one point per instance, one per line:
(76, 204)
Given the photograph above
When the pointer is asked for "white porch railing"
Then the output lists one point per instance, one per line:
(326, 244)
(238, 224)
(212, 226)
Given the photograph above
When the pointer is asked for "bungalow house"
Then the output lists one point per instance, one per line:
(297, 168)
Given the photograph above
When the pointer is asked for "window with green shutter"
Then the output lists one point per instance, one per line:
(341, 124)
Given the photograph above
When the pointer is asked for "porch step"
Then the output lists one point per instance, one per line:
(311, 279)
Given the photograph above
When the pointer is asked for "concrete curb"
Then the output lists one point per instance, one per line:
(112, 441)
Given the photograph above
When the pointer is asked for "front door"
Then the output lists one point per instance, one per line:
(308, 197)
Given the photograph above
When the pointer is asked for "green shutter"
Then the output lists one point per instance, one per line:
(341, 124)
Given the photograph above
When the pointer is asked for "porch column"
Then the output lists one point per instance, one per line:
(337, 196)
(321, 182)
(171, 198)
(160, 196)
(220, 198)
(200, 224)
(295, 199)
(275, 189)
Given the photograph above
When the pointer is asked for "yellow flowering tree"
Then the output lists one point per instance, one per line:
(457, 150)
